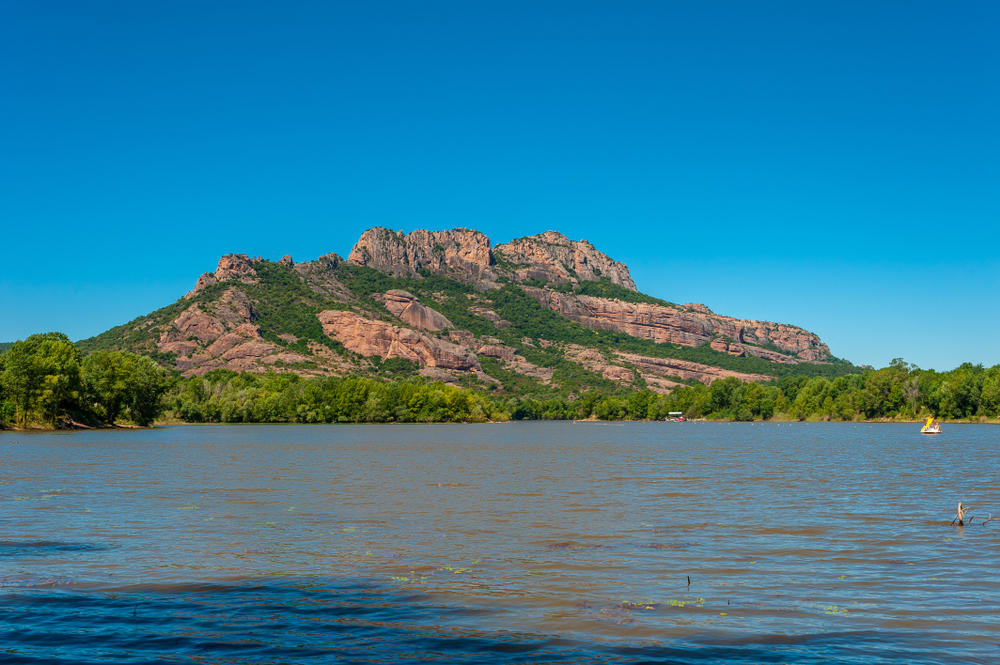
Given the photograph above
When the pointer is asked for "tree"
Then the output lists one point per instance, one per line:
(105, 383)
(41, 376)
(147, 383)
(116, 381)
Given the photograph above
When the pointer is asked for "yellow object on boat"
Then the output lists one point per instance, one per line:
(931, 427)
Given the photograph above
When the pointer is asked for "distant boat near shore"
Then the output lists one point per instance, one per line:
(931, 427)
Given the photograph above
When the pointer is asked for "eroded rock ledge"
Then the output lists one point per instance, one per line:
(461, 252)
(552, 257)
(687, 327)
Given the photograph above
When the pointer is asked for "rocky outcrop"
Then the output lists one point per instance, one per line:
(321, 276)
(221, 335)
(371, 337)
(242, 350)
(231, 267)
(408, 309)
(461, 253)
(686, 327)
(491, 316)
(512, 360)
(683, 369)
(552, 257)
(742, 350)
(595, 361)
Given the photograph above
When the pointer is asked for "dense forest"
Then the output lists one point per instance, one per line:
(45, 381)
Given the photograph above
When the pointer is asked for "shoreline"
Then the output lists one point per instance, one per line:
(172, 423)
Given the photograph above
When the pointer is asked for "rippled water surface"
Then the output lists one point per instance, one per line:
(522, 542)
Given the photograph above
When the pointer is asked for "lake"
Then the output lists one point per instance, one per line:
(510, 543)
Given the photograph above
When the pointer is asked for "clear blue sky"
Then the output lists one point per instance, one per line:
(835, 165)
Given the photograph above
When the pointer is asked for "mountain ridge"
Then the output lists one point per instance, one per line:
(540, 313)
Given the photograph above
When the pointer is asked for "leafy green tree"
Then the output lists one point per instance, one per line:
(118, 381)
(41, 376)
(105, 383)
(147, 384)
(989, 399)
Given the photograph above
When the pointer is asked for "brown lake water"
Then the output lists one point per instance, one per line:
(520, 542)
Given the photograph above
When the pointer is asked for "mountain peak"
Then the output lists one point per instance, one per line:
(552, 257)
(459, 252)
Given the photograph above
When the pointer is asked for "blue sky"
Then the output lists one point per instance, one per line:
(832, 165)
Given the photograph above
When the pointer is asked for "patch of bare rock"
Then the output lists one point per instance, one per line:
(231, 267)
(684, 369)
(408, 308)
(595, 361)
(222, 334)
(463, 253)
(513, 361)
(371, 337)
(686, 327)
(553, 257)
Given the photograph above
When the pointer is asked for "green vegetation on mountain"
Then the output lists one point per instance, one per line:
(529, 319)
(284, 305)
(138, 335)
(605, 288)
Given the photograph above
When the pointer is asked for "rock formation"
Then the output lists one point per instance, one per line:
(222, 334)
(238, 267)
(595, 361)
(510, 359)
(552, 257)
(683, 369)
(408, 309)
(371, 337)
(463, 253)
(676, 325)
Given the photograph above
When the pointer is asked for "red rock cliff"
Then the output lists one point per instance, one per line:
(552, 257)
(460, 252)
(687, 327)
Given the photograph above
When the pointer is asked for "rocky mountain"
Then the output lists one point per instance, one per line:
(542, 314)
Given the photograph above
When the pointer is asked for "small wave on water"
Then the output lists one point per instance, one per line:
(282, 621)
(23, 548)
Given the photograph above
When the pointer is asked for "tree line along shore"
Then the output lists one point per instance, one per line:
(46, 382)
